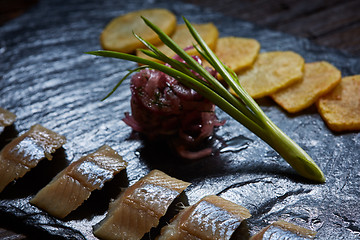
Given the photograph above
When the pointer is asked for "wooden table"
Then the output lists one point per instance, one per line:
(332, 23)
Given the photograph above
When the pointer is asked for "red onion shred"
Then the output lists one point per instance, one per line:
(162, 106)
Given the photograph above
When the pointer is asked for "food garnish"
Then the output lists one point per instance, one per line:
(139, 208)
(212, 217)
(117, 35)
(243, 108)
(73, 185)
(340, 108)
(26, 151)
(319, 78)
(183, 38)
(271, 72)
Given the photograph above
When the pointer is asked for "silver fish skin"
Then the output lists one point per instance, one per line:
(6, 118)
(139, 208)
(26, 151)
(211, 218)
(73, 185)
(282, 230)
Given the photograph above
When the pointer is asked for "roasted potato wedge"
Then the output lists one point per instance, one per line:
(340, 108)
(118, 34)
(319, 78)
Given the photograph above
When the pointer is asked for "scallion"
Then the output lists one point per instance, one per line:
(243, 109)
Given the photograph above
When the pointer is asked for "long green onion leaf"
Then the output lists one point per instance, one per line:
(243, 109)
(121, 80)
(195, 66)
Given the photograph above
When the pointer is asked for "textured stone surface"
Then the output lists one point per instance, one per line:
(46, 78)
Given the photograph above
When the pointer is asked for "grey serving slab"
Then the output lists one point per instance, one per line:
(47, 79)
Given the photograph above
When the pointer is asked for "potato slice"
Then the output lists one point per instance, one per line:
(340, 108)
(319, 78)
(236, 53)
(271, 72)
(184, 39)
(118, 34)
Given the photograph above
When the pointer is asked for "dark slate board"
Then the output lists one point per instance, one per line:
(46, 79)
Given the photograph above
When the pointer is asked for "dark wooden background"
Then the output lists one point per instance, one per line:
(332, 23)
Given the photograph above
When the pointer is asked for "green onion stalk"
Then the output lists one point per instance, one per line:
(242, 108)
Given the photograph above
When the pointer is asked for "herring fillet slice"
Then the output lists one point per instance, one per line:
(212, 217)
(26, 151)
(284, 230)
(73, 185)
(140, 207)
(6, 118)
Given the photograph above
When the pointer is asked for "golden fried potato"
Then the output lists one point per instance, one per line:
(236, 53)
(184, 39)
(118, 34)
(340, 108)
(271, 72)
(319, 78)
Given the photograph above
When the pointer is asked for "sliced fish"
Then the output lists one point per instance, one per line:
(73, 185)
(212, 217)
(6, 118)
(139, 208)
(26, 151)
(281, 230)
